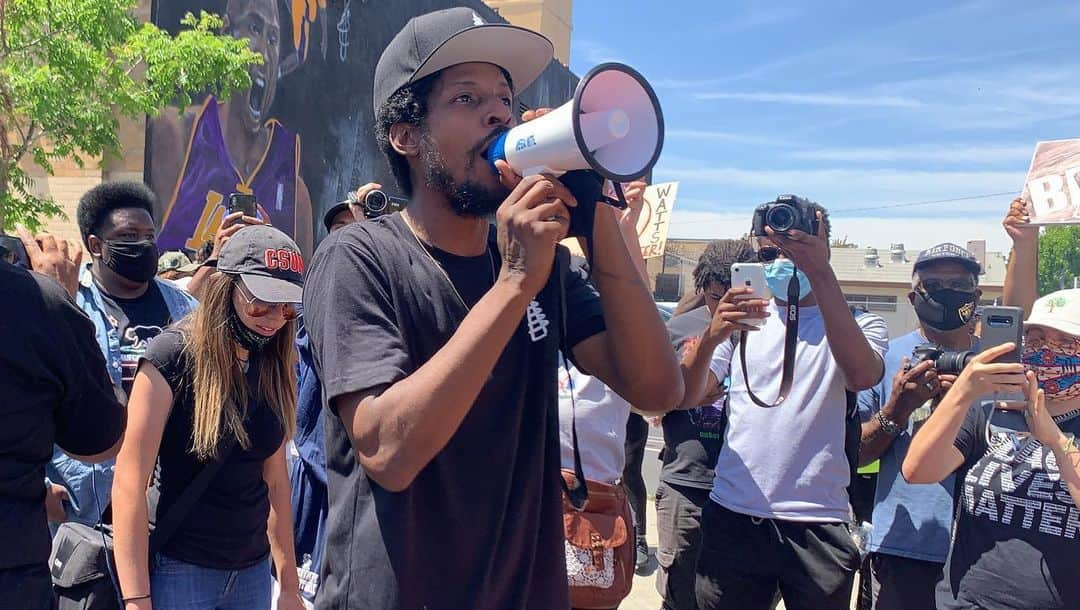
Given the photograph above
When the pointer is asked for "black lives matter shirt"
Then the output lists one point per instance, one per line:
(226, 528)
(54, 388)
(1017, 538)
(137, 321)
(481, 525)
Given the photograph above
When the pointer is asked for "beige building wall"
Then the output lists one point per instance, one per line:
(552, 18)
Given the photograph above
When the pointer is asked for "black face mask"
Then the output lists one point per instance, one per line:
(134, 260)
(247, 338)
(945, 309)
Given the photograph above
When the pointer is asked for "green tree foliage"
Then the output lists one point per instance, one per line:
(69, 69)
(1059, 258)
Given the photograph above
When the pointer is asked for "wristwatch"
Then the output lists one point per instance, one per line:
(888, 426)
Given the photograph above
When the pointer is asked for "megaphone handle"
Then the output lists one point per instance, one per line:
(621, 201)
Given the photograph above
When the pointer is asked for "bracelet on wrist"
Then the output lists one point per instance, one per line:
(135, 598)
(888, 426)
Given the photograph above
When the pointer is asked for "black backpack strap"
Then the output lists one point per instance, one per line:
(167, 526)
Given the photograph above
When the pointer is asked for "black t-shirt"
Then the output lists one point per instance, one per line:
(54, 388)
(481, 525)
(692, 437)
(1016, 538)
(226, 529)
(137, 321)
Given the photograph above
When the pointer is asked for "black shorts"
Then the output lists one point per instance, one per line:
(744, 561)
(900, 583)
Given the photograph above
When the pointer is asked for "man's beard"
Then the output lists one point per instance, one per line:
(467, 198)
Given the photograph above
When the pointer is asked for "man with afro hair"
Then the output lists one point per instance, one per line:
(128, 306)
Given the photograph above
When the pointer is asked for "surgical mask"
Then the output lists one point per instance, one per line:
(778, 274)
(133, 260)
(247, 338)
(1057, 368)
(944, 309)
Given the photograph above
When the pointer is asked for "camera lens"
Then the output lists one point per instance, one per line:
(951, 363)
(781, 217)
(376, 202)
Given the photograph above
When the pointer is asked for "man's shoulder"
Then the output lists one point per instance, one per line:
(379, 239)
(25, 286)
(173, 293)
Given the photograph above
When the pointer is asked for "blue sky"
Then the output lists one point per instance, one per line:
(853, 104)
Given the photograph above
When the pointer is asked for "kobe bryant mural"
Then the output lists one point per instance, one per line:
(302, 135)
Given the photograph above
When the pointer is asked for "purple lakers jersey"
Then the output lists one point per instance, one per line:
(208, 177)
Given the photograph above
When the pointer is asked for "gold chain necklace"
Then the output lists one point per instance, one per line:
(434, 261)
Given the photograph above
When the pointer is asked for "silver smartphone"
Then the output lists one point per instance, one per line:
(751, 275)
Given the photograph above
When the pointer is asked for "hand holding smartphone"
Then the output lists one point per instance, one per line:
(751, 275)
(242, 202)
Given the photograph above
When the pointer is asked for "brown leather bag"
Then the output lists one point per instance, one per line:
(599, 546)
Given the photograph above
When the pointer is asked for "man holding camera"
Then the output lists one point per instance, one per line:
(437, 337)
(778, 515)
(910, 539)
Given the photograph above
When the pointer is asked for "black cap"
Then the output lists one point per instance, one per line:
(328, 218)
(268, 262)
(948, 252)
(435, 41)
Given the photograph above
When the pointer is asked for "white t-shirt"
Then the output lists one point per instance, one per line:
(787, 462)
(601, 416)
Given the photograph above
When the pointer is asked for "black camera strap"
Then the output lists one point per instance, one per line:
(791, 339)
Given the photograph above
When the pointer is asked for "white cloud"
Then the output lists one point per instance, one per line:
(705, 135)
(813, 99)
(853, 184)
(879, 232)
(591, 52)
(1016, 154)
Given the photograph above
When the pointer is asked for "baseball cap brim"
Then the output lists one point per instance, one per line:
(271, 289)
(970, 265)
(328, 218)
(523, 53)
(190, 268)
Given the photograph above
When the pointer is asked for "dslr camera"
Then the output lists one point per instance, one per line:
(787, 213)
(946, 362)
(377, 203)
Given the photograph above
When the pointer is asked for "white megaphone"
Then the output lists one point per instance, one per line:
(613, 125)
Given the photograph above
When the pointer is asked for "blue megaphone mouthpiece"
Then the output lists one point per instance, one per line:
(497, 151)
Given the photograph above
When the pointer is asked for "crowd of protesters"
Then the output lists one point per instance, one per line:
(443, 409)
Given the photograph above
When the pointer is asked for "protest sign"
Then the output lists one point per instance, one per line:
(653, 225)
(1052, 188)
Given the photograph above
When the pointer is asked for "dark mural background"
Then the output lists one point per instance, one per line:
(322, 95)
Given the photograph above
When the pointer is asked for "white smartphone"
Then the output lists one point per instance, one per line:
(751, 275)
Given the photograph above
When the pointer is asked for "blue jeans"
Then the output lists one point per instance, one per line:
(178, 585)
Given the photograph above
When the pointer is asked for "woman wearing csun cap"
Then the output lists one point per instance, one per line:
(217, 392)
(1015, 541)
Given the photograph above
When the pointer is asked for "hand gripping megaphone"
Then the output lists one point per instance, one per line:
(613, 125)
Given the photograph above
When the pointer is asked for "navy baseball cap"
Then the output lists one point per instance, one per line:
(268, 262)
(441, 39)
(948, 252)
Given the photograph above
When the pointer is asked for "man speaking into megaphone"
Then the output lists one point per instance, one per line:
(437, 337)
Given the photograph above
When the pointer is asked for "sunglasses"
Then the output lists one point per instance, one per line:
(960, 284)
(257, 309)
(768, 254)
